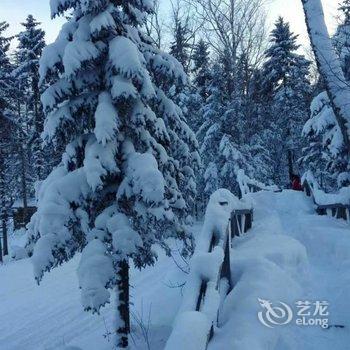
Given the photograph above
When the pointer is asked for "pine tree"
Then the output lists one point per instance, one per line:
(193, 96)
(222, 152)
(6, 181)
(31, 44)
(329, 67)
(5, 136)
(287, 86)
(5, 69)
(210, 133)
(201, 69)
(326, 154)
(180, 45)
(126, 176)
(345, 8)
(341, 39)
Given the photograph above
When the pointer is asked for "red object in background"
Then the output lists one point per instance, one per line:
(296, 184)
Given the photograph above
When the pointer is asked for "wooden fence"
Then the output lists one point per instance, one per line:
(337, 210)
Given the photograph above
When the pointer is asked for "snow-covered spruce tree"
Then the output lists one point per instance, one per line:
(180, 46)
(201, 68)
(341, 39)
(31, 43)
(188, 101)
(286, 83)
(197, 92)
(126, 175)
(329, 67)
(6, 135)
(345, 8)
(7, 183)
(5, 70)
(327, 155)
(21, 119)
(221, 153)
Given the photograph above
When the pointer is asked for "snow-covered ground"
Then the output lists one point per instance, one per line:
(291, 254)
(50, 316)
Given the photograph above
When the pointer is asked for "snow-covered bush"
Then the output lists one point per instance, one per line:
(18, 253)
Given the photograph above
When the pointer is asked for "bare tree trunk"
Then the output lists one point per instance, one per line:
(3, 204)
(124, 305)
(24, 179)
(329, 66)
(22, 151)
(38, 127)
(290, 164)
(0, 251)
(4, 233)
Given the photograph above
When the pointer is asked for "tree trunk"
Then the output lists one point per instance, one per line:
(24, 180)
(0, 251)
(329, 66)
(38, 124)
(290, 164)
(124, 306)
(4, 233)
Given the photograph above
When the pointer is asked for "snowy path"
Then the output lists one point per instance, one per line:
(327, 241)
(291, 254)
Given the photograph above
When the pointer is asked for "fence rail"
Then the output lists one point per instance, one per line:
(240, 222)
(336, 210)
(248, 185)
(204, 295)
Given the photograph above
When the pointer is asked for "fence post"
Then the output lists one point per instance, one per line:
(248, 221)
(226, 266)
(234, 226)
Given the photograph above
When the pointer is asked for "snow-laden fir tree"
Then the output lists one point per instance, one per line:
(5, 70)
(6, 131)
(341, 39)
(326, 155)
(197, 91)
(329, 66)
(30, 45)
(345, 8)
(286, 84)
(126, 175)
(180, 46)
(221, 151)
(7, 181)
(201, 68)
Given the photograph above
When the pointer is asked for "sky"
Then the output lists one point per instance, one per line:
(15, 11)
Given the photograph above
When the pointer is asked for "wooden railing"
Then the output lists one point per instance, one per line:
(240, 222)
(248, 185)
(211, 291)
(337, 210)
